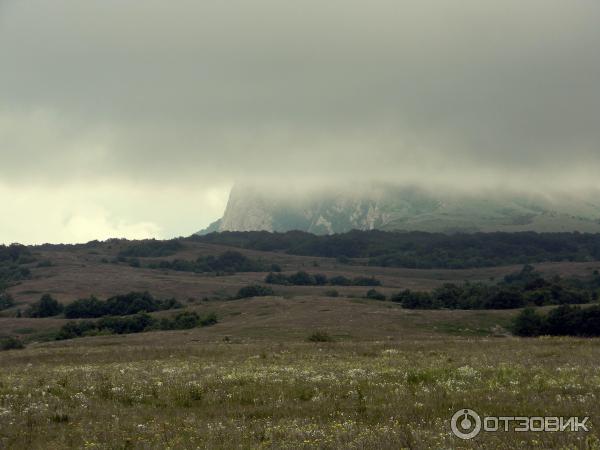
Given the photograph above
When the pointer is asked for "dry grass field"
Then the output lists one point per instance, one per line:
(192, 390)
(389, 378)
(77, 273)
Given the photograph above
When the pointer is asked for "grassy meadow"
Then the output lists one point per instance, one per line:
(108, 393)
(375, 376)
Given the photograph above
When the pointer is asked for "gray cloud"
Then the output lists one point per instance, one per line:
(194, 95)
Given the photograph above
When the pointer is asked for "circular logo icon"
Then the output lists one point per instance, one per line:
(466, 424)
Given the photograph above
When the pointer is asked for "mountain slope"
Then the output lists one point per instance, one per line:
(404, 208)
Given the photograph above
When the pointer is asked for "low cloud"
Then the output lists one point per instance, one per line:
(192, 96)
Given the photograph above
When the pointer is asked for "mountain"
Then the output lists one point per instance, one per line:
(387, 207)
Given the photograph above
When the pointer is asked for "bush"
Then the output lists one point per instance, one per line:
(15, 253)
(505, 299)
(45, 263)
(375, 295)
(276, 278)
(528, 323)
(85, 308)
(11, 343)
(135, 302)
(12, 272)
(515, 291)
(209, 319)
(366, 281)
(136, 324)
(340, 280)
(565, 320)
(320, 336)
(414, 300)
(186, 320)
(45, 307)
(302, 278)
(126, 325)
(226, 263)
(320, 279)
(151, 248)
(6, 301)
(332, 293)
(254, 290)
(134, 262)
(119, 305)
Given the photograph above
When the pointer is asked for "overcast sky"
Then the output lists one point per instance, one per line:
(134, 118)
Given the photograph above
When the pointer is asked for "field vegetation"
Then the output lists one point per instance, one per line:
(314, 394)
(302, 278)
(420, 249)
(188, 359)
(516, 290)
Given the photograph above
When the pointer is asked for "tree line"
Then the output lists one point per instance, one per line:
(135, 324)
(420, 249)
(302, 278)
(516, 290)
(229, 262)
(12, 263)
(91, 307)
(565, 320)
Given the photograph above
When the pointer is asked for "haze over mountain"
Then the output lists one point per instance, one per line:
(134, 119)
(408, 208)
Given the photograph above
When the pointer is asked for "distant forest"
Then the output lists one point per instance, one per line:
(419, 249)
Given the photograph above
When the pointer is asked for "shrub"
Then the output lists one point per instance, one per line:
(6, 301)
(517, 294)
(276, 278)
(565, 320)
(320, 336)
(85, 308)
(151, 248)
(302, 278)
(13, 272)
(528, 323)
(11, 343)
(366, 281)
(340, 280)
(45, 263)
(134, 262)
(209, 319)
(320, 279)
(414, 300)
(375, 295)
(254, 290)
(135, 302)
(186, 320)
(505, 299)
(135, 324)
(226, 263)
(45, 307)
(125, 325)
(119, 305)
(14, 253)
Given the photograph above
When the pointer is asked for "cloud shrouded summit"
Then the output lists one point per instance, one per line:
(135, 118)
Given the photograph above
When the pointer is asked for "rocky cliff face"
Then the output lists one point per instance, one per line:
(402, 208)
